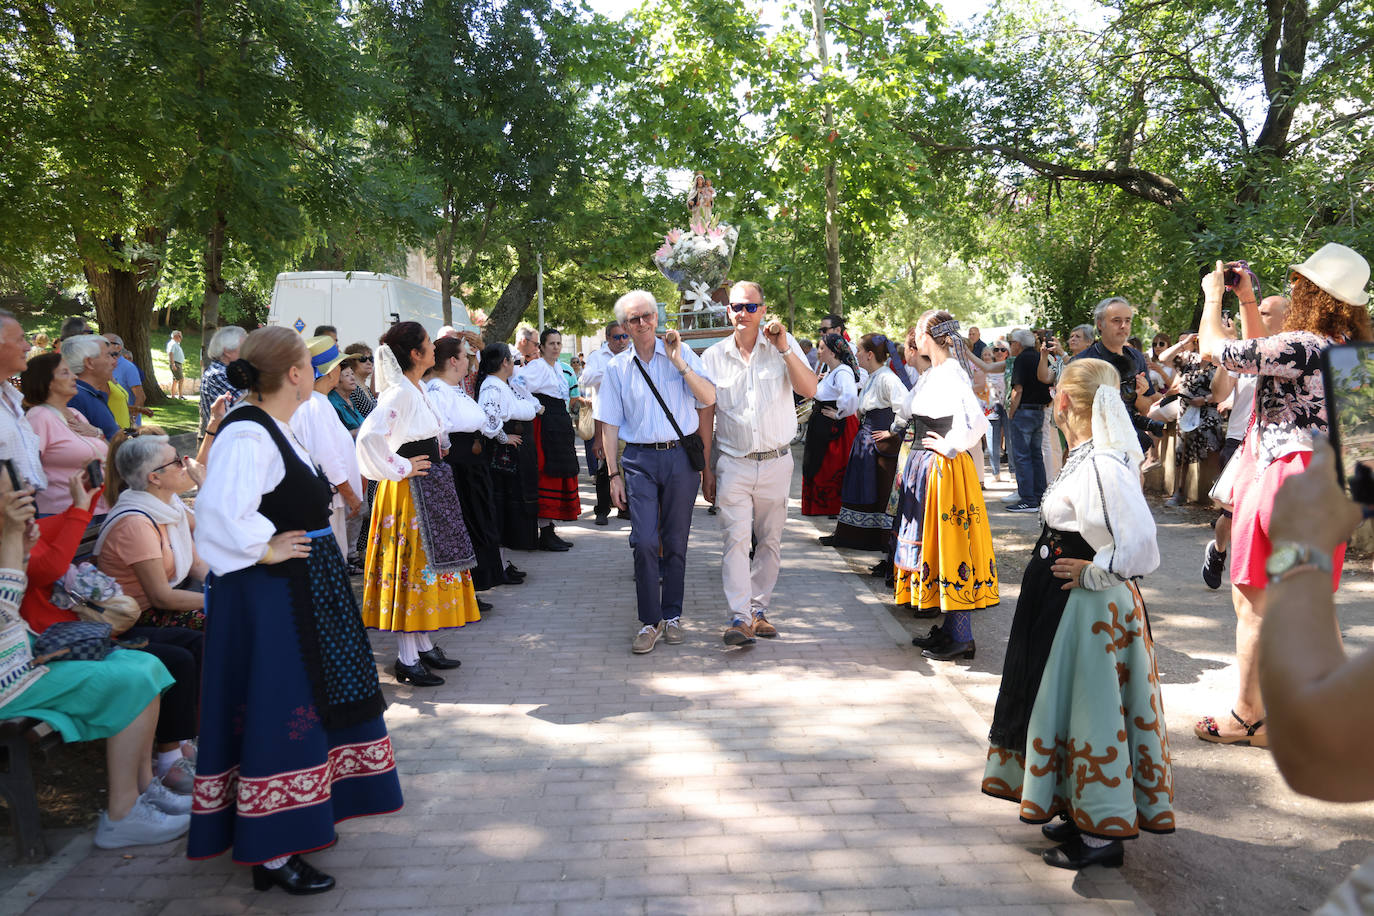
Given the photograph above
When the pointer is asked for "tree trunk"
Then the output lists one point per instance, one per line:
(124, 303)
(832, 226)
(214, 283)
(443, 254)
(515, 299)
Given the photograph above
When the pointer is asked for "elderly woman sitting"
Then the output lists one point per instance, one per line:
(145, 543)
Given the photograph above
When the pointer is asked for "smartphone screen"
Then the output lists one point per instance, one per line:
(1348, 372)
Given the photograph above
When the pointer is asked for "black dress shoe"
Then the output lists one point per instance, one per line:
(881, 570)
(297, 877)
(1060, 831)
(550, 543)
(603, 520)
(935, 639)
(554, 534)
(923, 614)
(484, 607)
(621, 513)
(513, 570)
(710, 510)
(1076, 854)
(951, 650)
(416, 674)
(435, 658)
(827, 540)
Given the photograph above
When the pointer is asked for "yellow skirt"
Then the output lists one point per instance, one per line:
(401, 593)
(946, 562)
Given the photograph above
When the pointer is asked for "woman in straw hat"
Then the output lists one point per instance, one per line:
(1327, 306)
(1080, 691)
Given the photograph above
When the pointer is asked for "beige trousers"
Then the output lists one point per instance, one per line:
(751, 498)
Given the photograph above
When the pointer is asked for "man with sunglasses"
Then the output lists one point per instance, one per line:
(617, 339)
(756, 370)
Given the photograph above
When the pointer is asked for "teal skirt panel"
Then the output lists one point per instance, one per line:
(89, 700)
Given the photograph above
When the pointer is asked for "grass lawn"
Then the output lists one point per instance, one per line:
(173, 416)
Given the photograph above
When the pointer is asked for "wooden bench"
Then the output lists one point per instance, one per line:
(19, 738)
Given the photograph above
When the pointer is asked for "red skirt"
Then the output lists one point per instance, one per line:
(1253, 498)
(821, 491)
(558, 496)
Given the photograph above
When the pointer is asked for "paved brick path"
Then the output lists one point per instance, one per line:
(827, 771)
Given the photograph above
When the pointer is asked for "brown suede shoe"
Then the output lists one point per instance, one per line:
(672, 632)
(739, 633)
(646, 638)
(763, 628)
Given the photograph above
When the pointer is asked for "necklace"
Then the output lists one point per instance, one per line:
(1077, 456)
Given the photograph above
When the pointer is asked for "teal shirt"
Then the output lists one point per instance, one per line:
(347, 413)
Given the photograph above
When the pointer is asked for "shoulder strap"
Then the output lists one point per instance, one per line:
(658, 397)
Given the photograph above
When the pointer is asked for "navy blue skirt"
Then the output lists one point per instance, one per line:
(271, 780)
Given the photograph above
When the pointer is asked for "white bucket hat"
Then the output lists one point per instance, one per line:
(1339, 271)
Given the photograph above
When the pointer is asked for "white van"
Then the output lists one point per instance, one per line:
(362, 305)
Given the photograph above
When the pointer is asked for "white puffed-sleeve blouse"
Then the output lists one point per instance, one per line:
(945, 391)
(840, 385)
(882, 390)
(403, 414)
(1098, 495)
(231, 534)
(458, 413)
(500, 404)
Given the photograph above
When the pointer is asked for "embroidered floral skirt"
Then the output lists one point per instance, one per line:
(831, 442)
(943, 559)
(1096, 747)
(401, 590)
(271, 780)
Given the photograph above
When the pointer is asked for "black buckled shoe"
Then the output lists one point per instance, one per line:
(435, 658)
(550, 542)
(554, 535)
(937, 638)
(951, 651)
(1075, 855)
(1060, 831)
(416, 674)
(296, 877)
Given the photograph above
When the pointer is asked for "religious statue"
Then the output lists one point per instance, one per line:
(700, 199)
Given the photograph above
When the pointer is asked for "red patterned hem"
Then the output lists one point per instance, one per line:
(264, 795)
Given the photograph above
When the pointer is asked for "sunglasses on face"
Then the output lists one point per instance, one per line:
(363, 359)
(750, 307)
(621, 336)
(999, 349)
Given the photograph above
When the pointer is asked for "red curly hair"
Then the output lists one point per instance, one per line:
(1313, 309)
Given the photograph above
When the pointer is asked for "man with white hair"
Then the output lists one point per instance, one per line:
(654, 479)
(1113, 317)
(176, 361)
(223, 350)
(127, 376)
(88, 357)
(18, 442)
(756, 370)
(527, 344)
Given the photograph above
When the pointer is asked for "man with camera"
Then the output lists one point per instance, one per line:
(1113, 317)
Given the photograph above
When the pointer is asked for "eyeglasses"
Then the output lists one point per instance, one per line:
(621, 336)
(179, 461)
(363, 359)
(999, 349)
(750, 307)
(636, 319)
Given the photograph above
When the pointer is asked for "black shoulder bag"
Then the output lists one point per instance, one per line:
(692, 445)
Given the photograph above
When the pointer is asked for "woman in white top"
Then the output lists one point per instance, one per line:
(318, 426)
(462, 419)
(831, 429)
(864, 523)
(1080, 691)
(554, 441)
(291, 732)
(417, 577)
(514, 463)
(943, 560)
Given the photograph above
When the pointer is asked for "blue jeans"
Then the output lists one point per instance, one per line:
(1027, 431)
(661, 489)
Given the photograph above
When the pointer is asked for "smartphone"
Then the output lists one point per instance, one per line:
(95, 474)
(1225, 314)
(15, 482)
(1348, 375)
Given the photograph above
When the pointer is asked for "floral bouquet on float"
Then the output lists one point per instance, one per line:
(697, 261)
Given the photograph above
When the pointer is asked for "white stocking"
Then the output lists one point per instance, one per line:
(407, 648)
(422, 642)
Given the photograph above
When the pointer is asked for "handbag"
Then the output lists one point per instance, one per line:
(692, 445)
(586, 424)
(1223, 489)
(79, 641)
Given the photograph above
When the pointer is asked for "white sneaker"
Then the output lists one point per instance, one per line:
(180, 777)
(165, 800)
(1013, 497)
(144, 825)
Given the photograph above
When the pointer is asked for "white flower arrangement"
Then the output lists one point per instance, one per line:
(698, 258)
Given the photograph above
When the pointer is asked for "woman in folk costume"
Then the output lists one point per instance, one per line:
(554, 440)
(513, 459)
(291, 733)
(943, 559)
(864, 523)
(462, 418)
(416, 577)
(1078, 729)
(831, 429)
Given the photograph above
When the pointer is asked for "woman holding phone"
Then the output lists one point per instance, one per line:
(67, 443)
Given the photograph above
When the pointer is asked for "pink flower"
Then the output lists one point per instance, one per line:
(672, 237)
(717, 233)
(663, 252)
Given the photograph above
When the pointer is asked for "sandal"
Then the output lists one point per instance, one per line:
(1207, 730)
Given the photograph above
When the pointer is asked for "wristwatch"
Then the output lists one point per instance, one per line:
(1288, 556)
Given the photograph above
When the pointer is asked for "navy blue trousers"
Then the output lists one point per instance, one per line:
(661, 488)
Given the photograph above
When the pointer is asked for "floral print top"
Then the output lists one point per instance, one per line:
(1290, 405)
